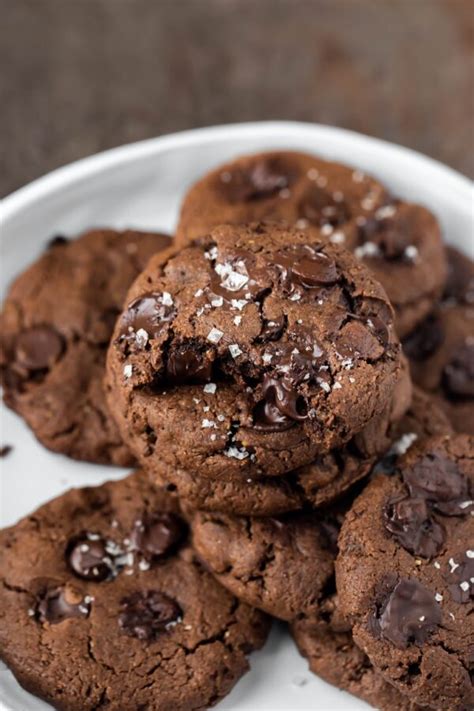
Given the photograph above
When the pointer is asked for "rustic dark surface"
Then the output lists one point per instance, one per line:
(79, 76)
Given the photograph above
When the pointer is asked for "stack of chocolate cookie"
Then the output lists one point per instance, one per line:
(253, 369)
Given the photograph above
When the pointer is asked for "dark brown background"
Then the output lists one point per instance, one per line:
(78, 76)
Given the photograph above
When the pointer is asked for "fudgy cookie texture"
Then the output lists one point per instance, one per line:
(103, 605)
(279, 565)
(55, 327)
(333, 656)
(251, 353)
(405, 573)
(399, 241)
(285, 565)
(311, 486)
(278, 185)
(441, 349)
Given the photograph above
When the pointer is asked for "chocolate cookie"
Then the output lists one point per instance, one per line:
(55, 327)
(333, 656)
(311, 486)
(405, 573)
(290, 338)
(441, 350)
(279, 565)
(399, 241)
(287, 185)
(102, 605)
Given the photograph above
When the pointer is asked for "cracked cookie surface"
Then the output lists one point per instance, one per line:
(405, 572)
(399, 241)
(55, 327)
(311, 486)
(261, 348)
(103, 605)
(279, 565)
(441, 350)
(285, 565)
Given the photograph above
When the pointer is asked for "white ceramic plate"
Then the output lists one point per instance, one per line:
(141, 185)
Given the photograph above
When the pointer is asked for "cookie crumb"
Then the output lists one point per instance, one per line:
(299, 680)
(5, 450)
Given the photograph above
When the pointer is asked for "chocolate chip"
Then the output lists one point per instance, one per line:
(58, 604)
(261, 180)
(410, 522)
(460, 578)
(439, 481)
(380, 329)
(303, 265)
(281, 405)
(458, 375)
(88, 557)
(425, 340)
(319, 207)
(392, 236)
(356, 341)
(38, 348)
(187, 365)
(147, 314)
(5, 450)
(272, 329)
(409, 615)
(157, 534)
(146, 615)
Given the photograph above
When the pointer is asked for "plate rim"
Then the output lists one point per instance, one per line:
(84, 168)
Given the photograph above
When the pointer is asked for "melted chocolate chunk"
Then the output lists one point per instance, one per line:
(146, 615)
(147, 313)
(58, 604)
(272, 329)
(380, 329)
(320, 208)
(392, 236)
(281, 405)
(439, 481)
(88, 557)
(356, 341)
(186, 365)
(38, 348)
(304, 266)
(458, 375)
(157, 534)
(262, 180)
(460, 578)
(425, 340)
(411, 523)
(410, 614)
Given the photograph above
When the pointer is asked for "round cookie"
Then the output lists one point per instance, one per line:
(333, 656)
(405, 573)
(311, 486)
(55, 327)
(281, 566)
(441, 350)
(284, 566)
(291, 339)
(401, 242)
(102, 604)
(278, 185)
